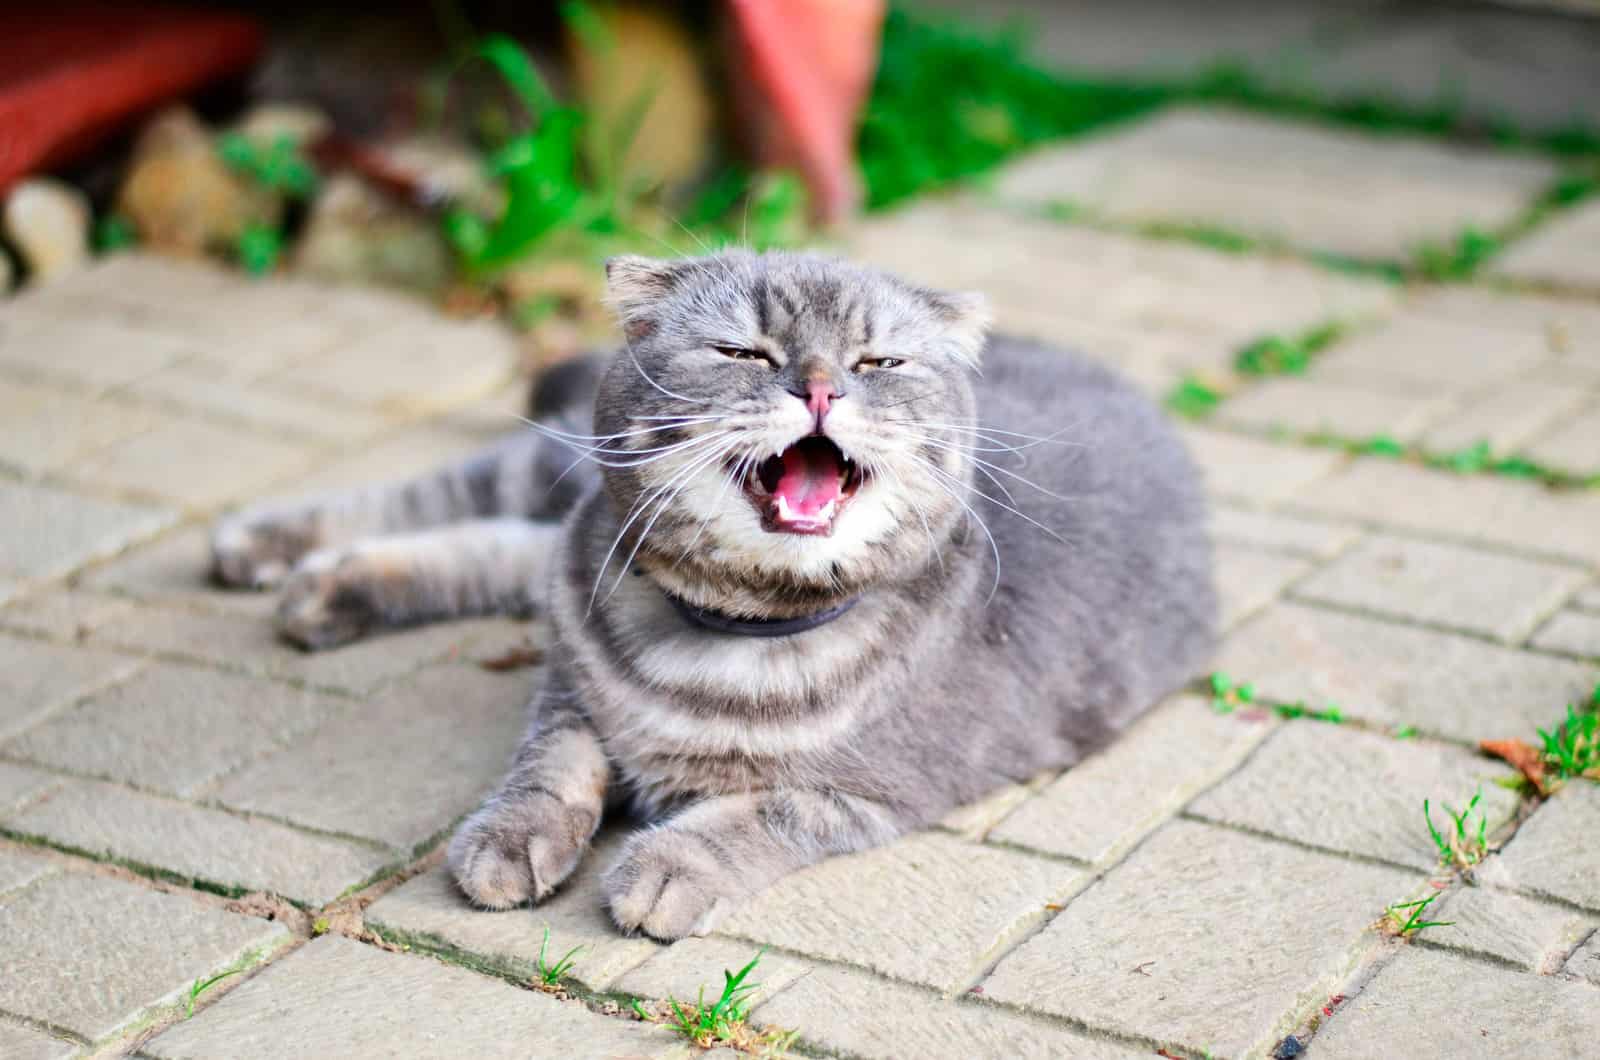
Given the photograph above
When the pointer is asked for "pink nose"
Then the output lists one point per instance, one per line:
(819, 397)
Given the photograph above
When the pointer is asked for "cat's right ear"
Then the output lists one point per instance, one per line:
(634, 285)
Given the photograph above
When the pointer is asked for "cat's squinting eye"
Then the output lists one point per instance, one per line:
(742, 353)
(870, 363)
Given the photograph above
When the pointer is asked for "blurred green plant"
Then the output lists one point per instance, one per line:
(560, 175)
(278, 165)
(259, 248)
(951, 101)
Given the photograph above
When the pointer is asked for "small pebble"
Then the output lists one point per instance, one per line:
(48, 222)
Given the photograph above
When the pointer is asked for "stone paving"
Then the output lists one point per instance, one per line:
(182, 797)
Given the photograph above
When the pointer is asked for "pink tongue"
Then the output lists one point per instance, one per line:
(810, 479)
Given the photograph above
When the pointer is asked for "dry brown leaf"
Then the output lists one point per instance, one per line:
(1523, 756)
(514, 658)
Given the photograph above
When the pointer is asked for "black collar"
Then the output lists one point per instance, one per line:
(721, 622)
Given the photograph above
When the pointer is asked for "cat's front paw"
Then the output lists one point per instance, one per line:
(509, 853)
(329, 600)
(668, 884)
(257, 550)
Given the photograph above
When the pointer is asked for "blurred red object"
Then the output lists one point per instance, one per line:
(812, 63)
(71, 73)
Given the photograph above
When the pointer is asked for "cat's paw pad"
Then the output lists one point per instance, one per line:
(258, 550)
(668, 884)
(329, 600)
(505, 855)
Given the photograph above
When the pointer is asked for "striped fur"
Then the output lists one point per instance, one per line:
(1020, 602)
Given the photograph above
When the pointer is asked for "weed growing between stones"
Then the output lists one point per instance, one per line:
(200, 986)
(722, 1022)
(1572, 749)
(1405, 919)
(1463, 844)
(550, 975)
(1228, 695)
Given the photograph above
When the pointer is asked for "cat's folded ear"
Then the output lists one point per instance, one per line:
(634, 285)
(966, 317)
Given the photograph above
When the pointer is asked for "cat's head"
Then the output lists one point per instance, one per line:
(785, 428)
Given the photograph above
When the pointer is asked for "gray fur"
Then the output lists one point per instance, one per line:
(753, 757)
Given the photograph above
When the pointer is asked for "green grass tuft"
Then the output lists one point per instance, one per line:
(551, 974)
(1464, 842)
(200, 986)
(1406, 918)
(1572, 748)
(722, 1022)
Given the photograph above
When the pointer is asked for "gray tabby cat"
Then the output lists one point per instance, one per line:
(819, 582)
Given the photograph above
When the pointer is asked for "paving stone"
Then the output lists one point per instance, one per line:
(104, 820)
(980, 896)
(859, 1015)
(1484, 509)
(62, 614)
(685, 968)
(1561, 251)
(1274, 532)
(397, 769)
(43, 428)
(1450, 586)
(206, 389)
(1570, 633)
(975, 820)
(430, 910)
(337, 997)
(1441, 1005)
(1144, 305)
(93, 350)
(1569, 325)
(1588, 599)
(1109, 801)
(49, 531)
(1585, 961)
(176, 569)
(1548, 855)
(1392, 674)
(192, 462)
(1203, 938)
(22, 784)
(38, 678)
(413, 451)
(18, 868)
(1311, 407)
(249, 642)
(1529, 934)
(1255, 471)
(24, 1043)
(175, 729)
(1422, 355)
(66, 966)
(1503, 416)
(1315, 186)
(1357, 792)
(1574, 446)
(431, 366)
(1249, 579)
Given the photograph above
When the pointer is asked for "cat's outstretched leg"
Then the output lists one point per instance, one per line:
(530, 834)
(528, 476)
(489, 566)
(682, 876)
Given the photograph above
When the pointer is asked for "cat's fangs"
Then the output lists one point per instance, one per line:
(808, 590)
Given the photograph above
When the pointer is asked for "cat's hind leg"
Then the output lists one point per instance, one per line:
(488, 566)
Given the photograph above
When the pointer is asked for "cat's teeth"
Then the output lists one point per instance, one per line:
(787, 514)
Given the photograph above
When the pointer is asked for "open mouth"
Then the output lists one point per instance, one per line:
(803, 489)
